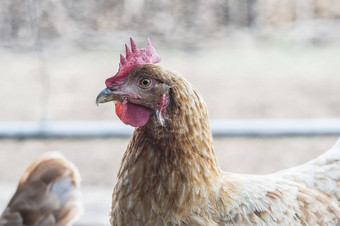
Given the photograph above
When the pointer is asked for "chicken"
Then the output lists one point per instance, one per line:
(169, 174)
(47, 194)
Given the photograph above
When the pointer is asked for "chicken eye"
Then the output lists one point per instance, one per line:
(145, 82)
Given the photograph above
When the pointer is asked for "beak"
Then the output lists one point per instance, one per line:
(106, 95)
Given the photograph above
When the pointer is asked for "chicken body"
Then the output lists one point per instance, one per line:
(47, 194)
(169, 175)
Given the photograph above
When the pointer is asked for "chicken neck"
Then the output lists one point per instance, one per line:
(173, 165)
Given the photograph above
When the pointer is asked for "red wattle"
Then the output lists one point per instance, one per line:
(118, 107)
(133, 114)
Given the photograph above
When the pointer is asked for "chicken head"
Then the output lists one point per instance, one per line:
(138, 90)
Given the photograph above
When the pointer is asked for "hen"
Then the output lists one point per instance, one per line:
(47, 194)
(169, 174)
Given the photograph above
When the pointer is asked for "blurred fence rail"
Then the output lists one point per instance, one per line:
(220, 128)
(83, 21)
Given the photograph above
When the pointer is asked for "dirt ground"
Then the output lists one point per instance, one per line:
(237, 80)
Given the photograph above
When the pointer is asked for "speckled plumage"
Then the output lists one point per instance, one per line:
(169, 175)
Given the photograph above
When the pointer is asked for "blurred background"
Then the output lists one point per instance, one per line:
(250, 59)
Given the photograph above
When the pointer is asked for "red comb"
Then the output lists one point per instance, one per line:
(133, 58)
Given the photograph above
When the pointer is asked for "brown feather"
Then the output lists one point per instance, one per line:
(169, 174)
(47, 194)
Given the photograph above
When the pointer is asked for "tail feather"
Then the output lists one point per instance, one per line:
(321, 173)
(336, 146)
(47, 194)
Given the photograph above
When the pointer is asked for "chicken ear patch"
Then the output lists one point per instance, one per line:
(133, 114)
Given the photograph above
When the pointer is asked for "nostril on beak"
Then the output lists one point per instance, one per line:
(113, 88)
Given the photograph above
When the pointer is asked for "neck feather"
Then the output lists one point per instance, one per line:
(172, 164)
(184, 139)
